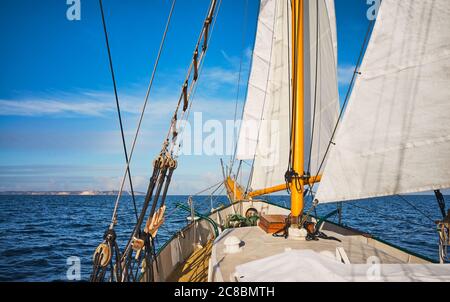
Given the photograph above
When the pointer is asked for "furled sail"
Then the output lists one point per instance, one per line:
(395, 135)
(265, 130)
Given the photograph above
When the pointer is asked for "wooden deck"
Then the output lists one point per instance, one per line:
(178, 261)
(195, 269)
(257, 244)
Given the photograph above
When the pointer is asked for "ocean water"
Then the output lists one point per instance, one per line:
(38, 234)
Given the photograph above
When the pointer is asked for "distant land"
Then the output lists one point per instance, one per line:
(127, 193)
(69, 193)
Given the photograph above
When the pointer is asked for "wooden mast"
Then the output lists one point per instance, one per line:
(297, 203)
(297, 140)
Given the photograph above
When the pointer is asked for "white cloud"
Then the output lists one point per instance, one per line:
(345, 74)
(50, 107)
(226, 77)
(218, 76)
(235, 61)
(99, 103)
(95, 178)
(67, 104)
(91, 144)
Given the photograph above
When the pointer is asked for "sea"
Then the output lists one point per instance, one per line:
(42, 237)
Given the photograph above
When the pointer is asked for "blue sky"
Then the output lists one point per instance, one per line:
(58, 125)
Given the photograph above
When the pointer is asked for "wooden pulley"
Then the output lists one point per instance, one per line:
(196, 65)
(153, 223)
(173, 163)
(158, 163)
(104, 254)
(137, 244)
(167, 159)
(206, 34)
(185, 96)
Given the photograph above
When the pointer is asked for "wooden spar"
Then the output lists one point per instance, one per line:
(266, 191)
(234, 190)
(297, 202)
(309, 181)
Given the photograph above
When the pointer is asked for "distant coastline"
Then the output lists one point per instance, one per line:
(127, 193)
(69, 193)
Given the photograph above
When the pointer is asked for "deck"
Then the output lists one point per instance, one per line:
(256, 244)
(195, 269)
(179, 261)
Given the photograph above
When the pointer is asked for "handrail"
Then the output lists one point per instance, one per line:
(207, 218)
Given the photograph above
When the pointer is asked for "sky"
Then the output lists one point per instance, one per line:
(58, 124)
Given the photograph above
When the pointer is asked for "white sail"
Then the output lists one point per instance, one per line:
(267, 104)
(395, 136)
(321, 94)
(261, 79)
(265, 130)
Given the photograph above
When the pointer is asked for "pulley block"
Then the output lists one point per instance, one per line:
(102, 255)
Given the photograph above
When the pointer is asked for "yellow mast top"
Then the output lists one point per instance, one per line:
(297, 202)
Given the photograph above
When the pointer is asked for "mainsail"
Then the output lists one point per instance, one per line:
(395, 135)
(265, 130)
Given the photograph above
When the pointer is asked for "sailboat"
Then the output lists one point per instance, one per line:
(391, 137)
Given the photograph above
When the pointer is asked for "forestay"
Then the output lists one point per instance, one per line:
(395, 135)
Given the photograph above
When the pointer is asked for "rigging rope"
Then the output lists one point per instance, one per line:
(417, 209)
(290, 91)
(186, 114)
(263, 107)
(144, 107)
(384, 215)
(291, 176)
(294, 95)
(196, 60)
(111, 66)
(347, 97)
(209, 188)
(212, 194)
(166, 163)
(356, 72)
(124, 262)
(341, 113)
(244, 26)
(315, 88)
